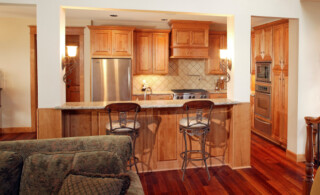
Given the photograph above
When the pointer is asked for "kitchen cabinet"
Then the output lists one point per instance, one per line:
(189, 39)
(263, 43)
(161, 97)
(253, 60)
(217, 41)
(252, 111)
(152, 51)
(217, 95)
(111, 41)
(280, 45)
(280, 106)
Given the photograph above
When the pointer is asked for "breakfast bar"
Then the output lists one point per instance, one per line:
(160, 143)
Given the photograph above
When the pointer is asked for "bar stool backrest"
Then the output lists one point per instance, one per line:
(198, 105)
(123, 108)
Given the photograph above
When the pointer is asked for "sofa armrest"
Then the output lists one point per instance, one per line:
(135, 184)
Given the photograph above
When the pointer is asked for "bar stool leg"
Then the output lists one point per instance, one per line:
(203, 149)
(185, 159)
(134, 153)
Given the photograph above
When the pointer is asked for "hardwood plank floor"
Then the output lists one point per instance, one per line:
(271, 173)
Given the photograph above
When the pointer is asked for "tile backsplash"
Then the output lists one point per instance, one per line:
(183, 74)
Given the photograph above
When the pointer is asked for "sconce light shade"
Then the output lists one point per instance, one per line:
(72, 51)
(223, 53)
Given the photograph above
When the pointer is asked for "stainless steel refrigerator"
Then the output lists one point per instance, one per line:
(111, 80)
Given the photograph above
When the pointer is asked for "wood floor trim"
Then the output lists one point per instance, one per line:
(295, 157)
(17, 130)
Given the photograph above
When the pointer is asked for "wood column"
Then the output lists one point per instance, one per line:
(309, 154)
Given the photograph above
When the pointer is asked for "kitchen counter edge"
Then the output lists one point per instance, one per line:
(143, 104)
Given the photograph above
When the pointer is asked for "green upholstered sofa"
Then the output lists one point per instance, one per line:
(40, 166)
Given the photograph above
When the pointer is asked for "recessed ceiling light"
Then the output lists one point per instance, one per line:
(164, 19)
(114, 15)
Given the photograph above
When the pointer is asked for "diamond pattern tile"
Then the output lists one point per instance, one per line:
(183, 73)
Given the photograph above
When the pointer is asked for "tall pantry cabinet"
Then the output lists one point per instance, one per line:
(270, 44)
(280, 83)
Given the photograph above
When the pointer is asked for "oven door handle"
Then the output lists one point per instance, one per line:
(262, 121)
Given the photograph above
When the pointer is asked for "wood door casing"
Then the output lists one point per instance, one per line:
(160, 53)
(73, 80)
(144, 53)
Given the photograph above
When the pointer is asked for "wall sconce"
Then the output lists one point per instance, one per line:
(225, 63)
(68, 62)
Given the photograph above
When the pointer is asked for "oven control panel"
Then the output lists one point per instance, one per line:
(263, 88)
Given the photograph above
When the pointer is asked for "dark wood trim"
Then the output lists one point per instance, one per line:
(33, 77)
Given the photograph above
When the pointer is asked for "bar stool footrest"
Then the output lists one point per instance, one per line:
(207, 155)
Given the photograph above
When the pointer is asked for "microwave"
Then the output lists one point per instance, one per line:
(263, 72)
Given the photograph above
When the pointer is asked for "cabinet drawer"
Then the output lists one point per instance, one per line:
(263, 126)
(217, 95)
(189, 52)
(161, 97)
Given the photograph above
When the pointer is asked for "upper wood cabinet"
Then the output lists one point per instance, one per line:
(280, 45)
(253, 60)
(263, 44)
(111, 41)
(151, 51)
(217, 41)
(189, 39)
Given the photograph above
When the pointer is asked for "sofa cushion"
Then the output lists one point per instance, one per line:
(90, 183)
(98, 162)
(45, 172)
(10, 171)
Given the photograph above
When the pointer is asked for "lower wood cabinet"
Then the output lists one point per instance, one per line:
(217, 95)
(280, 106)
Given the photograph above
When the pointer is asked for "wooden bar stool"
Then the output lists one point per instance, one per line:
(124, 126)
(198, 126)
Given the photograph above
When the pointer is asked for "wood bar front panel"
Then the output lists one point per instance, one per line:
(160, 141)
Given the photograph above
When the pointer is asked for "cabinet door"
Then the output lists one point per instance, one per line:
(213, 62)
(276, 104)
(253, 61)
(122, 43)
(143, 53)
(199, 38)
(181, 37)
(160, 53)
(278, 43)
(101, 43)
(161, 97)
(223, 41)
(285, 46)
(267, 42)
(284, 108)
(258, 35)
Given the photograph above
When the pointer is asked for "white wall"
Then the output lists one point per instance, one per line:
(15, 68)
(309, 68)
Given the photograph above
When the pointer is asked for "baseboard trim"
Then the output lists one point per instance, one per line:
(16, 130)
(295, 157)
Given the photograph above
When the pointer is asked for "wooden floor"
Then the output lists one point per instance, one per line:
(271, 173)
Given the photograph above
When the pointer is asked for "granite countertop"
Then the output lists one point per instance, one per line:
(170, 92)
(153, 93)
(143, 104)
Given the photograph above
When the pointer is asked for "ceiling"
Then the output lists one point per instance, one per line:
(136, 18)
